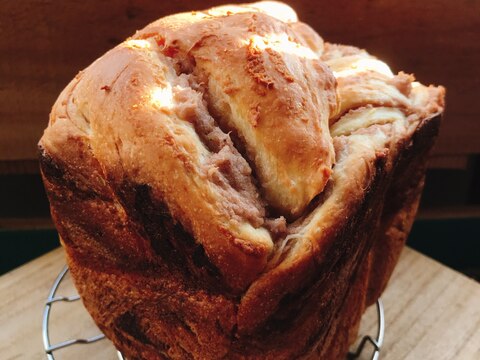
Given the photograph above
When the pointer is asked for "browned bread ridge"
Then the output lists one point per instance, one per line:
(228, 186)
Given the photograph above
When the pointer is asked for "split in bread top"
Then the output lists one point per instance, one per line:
(255, 133)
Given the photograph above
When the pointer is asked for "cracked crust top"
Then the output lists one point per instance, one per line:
(170, 107)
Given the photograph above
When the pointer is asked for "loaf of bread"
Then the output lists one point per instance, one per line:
(227, 185)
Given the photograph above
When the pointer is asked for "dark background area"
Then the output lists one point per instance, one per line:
(45, 43)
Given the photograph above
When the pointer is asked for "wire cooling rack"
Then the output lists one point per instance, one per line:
(376, 342)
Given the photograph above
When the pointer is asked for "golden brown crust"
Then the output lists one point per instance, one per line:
(178, 248)
(153, 141)
(272, 75)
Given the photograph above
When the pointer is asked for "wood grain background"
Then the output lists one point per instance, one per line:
(44, 43)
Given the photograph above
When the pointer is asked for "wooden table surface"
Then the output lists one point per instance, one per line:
(431, 312)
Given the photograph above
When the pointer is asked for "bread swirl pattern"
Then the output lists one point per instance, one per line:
(214, 179)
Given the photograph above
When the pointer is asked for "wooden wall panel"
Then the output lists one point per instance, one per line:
(44, 43)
